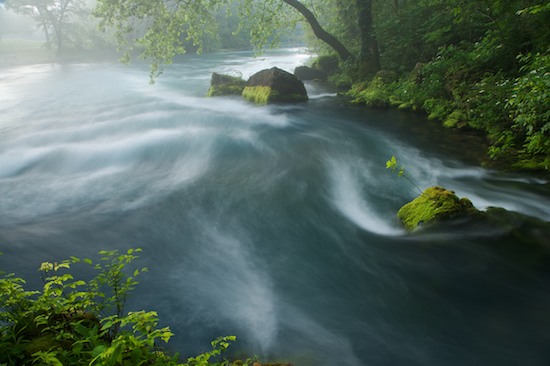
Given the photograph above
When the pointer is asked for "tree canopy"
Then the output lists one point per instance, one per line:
(164, 29)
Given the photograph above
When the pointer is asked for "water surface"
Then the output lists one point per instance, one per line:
(273, 223)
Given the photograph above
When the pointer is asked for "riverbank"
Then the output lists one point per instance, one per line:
(511, 112)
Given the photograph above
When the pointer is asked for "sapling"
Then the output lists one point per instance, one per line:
(395, 167)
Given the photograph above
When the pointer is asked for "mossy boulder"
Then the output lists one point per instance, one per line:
(435, 204)
(221, 84)
(386, 76)
(328, 64)
(307, 73)
(274, 86)
(374, 94)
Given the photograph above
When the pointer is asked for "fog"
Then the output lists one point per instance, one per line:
(17, 26)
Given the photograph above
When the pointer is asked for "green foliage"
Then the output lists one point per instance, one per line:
(225, 85)
(160, 30)
(74, 322)
(399, 169)
(375, 94)
(480, 65)
(328, 64)
(335, 16)
(394, 166)
(529, 105)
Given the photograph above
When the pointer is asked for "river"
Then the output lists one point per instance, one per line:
(272, 223)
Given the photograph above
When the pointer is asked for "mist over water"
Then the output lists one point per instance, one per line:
(273, 223)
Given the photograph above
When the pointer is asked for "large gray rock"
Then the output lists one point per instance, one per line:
(274, 86)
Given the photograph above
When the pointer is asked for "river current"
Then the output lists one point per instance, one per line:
(272, 223)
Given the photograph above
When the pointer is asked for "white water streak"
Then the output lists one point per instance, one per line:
(347, 197)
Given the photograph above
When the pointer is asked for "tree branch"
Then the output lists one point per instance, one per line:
(319, 32)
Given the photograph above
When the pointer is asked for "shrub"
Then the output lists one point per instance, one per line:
(74, 322)
(529, 105)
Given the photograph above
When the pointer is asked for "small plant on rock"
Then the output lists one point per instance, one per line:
(399, 169)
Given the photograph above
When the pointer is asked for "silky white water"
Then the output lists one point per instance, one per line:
(273, 223)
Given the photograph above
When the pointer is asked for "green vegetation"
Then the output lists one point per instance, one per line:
(76, 322)
(471, 65)
(260, 94)
(476, 65)
(433, 205)
(481, 65)
(225, 85)
(266, 94)
(399, 169)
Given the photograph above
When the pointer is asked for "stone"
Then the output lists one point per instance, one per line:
(274, 86)
(435, 204)
(328, 64)
(221, 84)
(305, 73)
(386, 76)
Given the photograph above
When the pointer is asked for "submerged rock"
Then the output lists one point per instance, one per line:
(433, 205)
(274, 86)
(221, 84)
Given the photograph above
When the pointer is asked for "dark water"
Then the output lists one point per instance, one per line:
(273, 223)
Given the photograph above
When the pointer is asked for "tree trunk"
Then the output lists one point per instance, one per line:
(319, 32)
(369, 54)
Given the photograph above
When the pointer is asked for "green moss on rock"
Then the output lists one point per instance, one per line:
(454, 120)
(433, 205)
(374, 94)
(225, 85)
(274, 86)
(266, 94)
(260, 94)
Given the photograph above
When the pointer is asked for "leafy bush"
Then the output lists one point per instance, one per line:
(529, 105)
(74, 322)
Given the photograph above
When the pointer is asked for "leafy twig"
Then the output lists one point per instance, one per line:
(395, 167)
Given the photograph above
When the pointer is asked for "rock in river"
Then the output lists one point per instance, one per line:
(433, 205)
(274, 86)
(221, 84)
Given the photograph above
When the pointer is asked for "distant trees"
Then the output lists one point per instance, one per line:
(53, 16)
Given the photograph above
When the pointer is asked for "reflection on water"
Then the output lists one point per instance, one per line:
(274, 223)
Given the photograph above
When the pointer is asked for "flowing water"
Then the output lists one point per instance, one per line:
(273, 223)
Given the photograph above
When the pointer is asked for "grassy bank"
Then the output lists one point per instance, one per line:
(511, 109)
